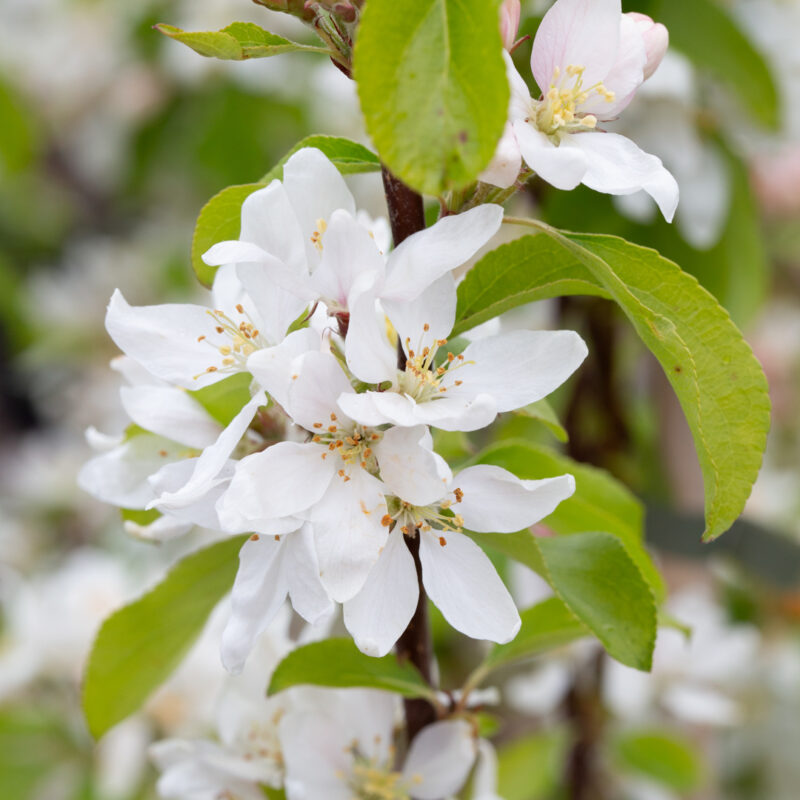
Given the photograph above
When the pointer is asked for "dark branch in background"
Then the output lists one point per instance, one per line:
(407, 216)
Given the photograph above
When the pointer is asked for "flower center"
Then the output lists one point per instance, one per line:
(261, 743)
(350, 442)
(559, 109)
(410, 517)
(421, 379)
(244, 337)
(371, 780)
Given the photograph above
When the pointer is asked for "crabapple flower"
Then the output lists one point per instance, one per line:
(347, 752)
(453, 392)
(483, 499)
(331, 480)
(588, 59)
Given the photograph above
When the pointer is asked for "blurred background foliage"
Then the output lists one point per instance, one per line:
(111, 140)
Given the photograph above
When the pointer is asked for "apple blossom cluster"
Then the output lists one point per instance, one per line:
(328, 458)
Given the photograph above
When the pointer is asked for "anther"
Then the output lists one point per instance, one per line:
(442, 541)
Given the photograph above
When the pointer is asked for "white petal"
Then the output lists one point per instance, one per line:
(495, 501)
(259, 590)
(581, 33)
(370, 355)
(272, 366)
(213, 458)
(170, 412)
(269, 221)
(281, 481)
(318, 762)
(625, 76)
(120, 476)
(617, 166)
(427, 255)
(484, 779)
(409, 467)
(451, 572)
(442, 756)
(233, 251)
(463, 413)
(348, 532)
(349, 252)
(102, 442)
(313, 393)
(559, 166)
(381, 611)
(517, 368)
(308, 595)
(315, 189)
(506, 162)
(435, 307)
(164, 340)
(163, 529)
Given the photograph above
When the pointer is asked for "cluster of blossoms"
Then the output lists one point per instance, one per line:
(328, 459)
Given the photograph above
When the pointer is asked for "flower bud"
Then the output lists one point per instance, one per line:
(656, 40)
(509, 22)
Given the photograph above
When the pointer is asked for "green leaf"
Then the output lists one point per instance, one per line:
(546, 625)
(339, 663)
(543, 412)
(530, 768)
(663, 756)
(141, 644)
(600, 501)
(597, 581)
(718, 381)
(236, 42)
(433, 90)
(219, 221)
(226, 398)
(707, 33)
(349, 157)
(220, 217)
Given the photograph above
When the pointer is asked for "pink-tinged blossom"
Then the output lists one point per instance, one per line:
(588, 59)
(509, 22)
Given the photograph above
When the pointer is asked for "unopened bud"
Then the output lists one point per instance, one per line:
(345, 11)
(509, 22)
(656, 40)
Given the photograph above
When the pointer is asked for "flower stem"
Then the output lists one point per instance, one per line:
(407, 216)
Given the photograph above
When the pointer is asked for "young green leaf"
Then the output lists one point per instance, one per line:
(543, 413)
(433, 88)
(236, 42)
(546, 625)
(226, 398)
(595, 578)
(349, 157)
(718, 381)
(339, 663)
(662, 756)
(219, 220)
(142, 643)
(600, 501)
(531, 767)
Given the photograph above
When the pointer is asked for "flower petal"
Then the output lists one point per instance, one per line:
(506, 162)
(234, 251)
(517, 368)
(259, 590)
(440, 759)
(560, 167)
(283, 480)
(581, 33)
(617, 166)
(435, 308)
(409, 467)
(164, 340)
(495, 501)
(348, 531)
(425, 256)
(370, 355)
(308, 595)
(313, 393)
(377, 616)
(212, 459)
(170, 412)
(450, 573)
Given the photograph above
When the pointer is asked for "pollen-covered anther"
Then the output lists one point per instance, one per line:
(442, 541)
(459, 494)
(386, 520)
